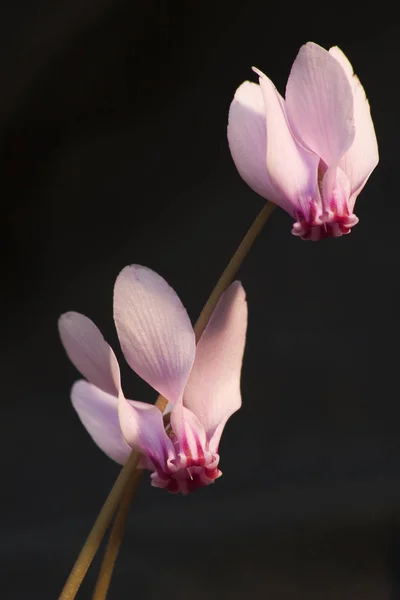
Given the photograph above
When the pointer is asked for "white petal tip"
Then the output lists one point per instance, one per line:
(257, 71)
(135, 270)
(237, 288)
(67, 316)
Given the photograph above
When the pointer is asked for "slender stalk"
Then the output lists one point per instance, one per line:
(233, 267)
(99, 529)
(116, 495)
(116, 535)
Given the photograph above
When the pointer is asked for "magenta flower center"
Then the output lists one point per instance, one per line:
(330, 217)
(188, 469)
(320, 223)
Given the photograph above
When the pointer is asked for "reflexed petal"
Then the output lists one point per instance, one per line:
(89, 352)
(98, 412)
(319, 103)
(247, 138)
(213, 390)
(190, 434)
(143, 428)
(292, 169)
(154, 330)
(362, 157)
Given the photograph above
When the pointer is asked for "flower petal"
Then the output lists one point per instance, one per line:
(213, 390)
(319, 102)
(362, 157)
(247, 138)
(143, 429)
(293, 169)
(154, 330)
(190, 435)
(89, 352)
(336, 191)
(98, 412)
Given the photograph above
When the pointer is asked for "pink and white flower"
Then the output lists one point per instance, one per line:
(312, 152)
(201, 384)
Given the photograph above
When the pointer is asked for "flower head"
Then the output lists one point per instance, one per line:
(201, 384)
(312, 152)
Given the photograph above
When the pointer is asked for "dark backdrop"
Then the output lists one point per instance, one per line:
(113, 129)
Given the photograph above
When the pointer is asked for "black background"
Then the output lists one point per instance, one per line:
(113, 130)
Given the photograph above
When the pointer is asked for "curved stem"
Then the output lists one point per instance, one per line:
(118, 491)
(99, 529)
(232, 268)
(116, 535)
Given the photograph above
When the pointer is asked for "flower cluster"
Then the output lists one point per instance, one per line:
(311, 154)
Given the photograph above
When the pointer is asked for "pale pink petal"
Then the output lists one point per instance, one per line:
(338, 215)
(362, 157)
(98, 412)
(319, 103)
(190, 435)
(336, 191)
(213, 390)
(247, 138)
(154, 330)
(344, 62)
(89, 352)
(143, 428)
(291, 168)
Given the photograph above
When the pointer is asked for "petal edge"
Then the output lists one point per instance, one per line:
(98, 412)
(89, 352)
(213, 390)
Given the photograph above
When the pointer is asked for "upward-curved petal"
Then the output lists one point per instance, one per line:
(154, 330)
(143, 429)
(213, 390)
(319, 102)
(292, 169)
(89, 352)
(247, 138)
(98, 411)
(362, 157)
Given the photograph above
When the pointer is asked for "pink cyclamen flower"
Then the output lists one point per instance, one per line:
(201, 384)
(312, 152)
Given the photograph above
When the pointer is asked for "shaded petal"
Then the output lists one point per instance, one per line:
(190, 435)
(154, 330)
(319, 103)
(89, 352)
(143, 428)
(98, 412)
(336, 190)
(336, 193)
(213, 390)
(292, 169)
(362, 157)
(247, 138)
